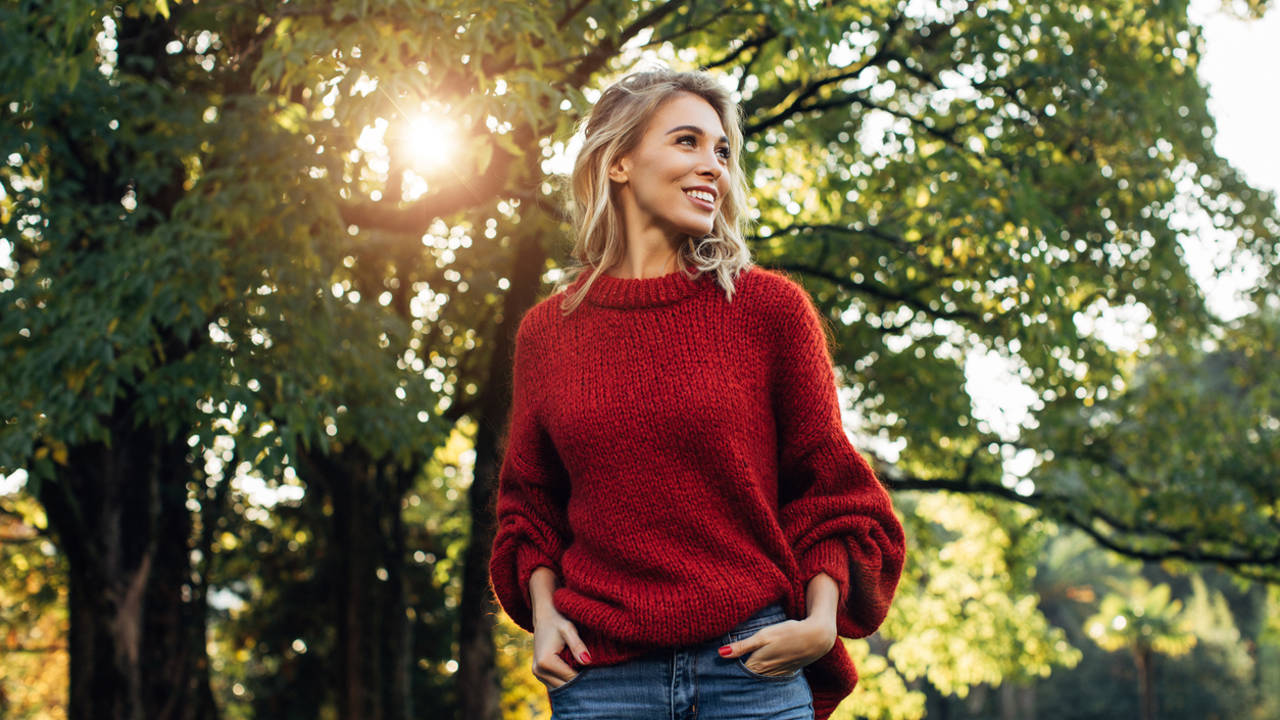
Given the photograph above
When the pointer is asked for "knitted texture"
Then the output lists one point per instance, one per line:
(680, 462)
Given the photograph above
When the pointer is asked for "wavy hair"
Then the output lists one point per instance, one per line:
(614, 128)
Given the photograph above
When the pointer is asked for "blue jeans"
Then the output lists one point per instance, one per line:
(685, 683)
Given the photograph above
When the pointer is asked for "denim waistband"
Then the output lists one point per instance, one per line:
(768, 615)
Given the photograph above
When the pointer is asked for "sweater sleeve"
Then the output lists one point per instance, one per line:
(533, 489)
(835, 513)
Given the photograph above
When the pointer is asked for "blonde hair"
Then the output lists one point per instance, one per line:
(614, 127)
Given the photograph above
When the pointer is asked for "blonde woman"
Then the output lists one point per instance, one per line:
(682, 522)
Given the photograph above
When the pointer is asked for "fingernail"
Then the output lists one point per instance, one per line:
(585, 657)
(724, 651)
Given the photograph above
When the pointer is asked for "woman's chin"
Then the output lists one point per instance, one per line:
(697, 232)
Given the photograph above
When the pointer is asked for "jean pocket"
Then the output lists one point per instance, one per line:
(742, 665)
(743, 633)
(562, 686)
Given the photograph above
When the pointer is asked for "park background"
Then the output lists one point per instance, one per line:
(261, 266)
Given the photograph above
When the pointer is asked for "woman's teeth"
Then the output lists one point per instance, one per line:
(701, 195)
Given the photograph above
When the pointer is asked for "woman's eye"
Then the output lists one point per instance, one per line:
(723, 152)
(689, 139)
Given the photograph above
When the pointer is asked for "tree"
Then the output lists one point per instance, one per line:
(1142, 620)
(945, 178)
(159, 251)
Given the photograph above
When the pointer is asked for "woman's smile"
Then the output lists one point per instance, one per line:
(703, 197)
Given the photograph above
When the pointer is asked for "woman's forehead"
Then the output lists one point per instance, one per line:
(688, 111)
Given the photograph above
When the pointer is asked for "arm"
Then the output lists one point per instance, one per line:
(532, 530)
(822, 600)
(835, 513)
(542, 585)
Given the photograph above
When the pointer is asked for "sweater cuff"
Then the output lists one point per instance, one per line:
(528, 559)
(831, 557)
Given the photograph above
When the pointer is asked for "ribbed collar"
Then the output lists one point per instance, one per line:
(609, 291)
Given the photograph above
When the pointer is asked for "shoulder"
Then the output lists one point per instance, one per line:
(541, 322)
(774, 295)
(787, 313)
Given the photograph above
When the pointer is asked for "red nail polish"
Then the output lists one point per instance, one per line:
(586, 657)
(724, 651)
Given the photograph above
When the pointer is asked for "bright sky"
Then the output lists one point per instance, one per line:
(1237, 54)
(1239, 64)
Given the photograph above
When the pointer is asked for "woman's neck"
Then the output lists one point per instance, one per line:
(638, 264)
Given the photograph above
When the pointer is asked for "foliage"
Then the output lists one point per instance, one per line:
(186, 307)
(439, 535)
(211, 228)
(1141, 616)
(1225, 674)
(524, 697)
(882, 692)
(1186, 455)
(33, 616)
(966, 613)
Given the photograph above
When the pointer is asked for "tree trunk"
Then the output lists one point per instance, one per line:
(136, 638)
(1008, 702)
(1147, 694)
(398, 695)
(478, 686)
(477, 679)
(1017, 701)
(373, 654)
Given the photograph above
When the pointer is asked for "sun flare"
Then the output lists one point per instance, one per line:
(427, 141)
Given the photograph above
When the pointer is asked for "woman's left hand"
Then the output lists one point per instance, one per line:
(783, 648)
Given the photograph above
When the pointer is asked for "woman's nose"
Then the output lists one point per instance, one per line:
(711, 167)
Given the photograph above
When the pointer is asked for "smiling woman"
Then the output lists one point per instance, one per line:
(681, 519)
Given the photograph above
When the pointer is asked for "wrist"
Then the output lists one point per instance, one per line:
(826, 622)
(822, 598)
(544, 607)
(822, 631)
(542, 587)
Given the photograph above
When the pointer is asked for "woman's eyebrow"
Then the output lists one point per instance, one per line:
(695, 130)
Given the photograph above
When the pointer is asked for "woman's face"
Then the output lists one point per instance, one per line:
(676, 178)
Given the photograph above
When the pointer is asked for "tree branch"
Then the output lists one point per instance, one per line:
(759, 40)
(1060, 508)
(716, 16)
(543, 203)
(798, 96)
(902, 246)
(570, 12)
(882, 292)
(596, 59)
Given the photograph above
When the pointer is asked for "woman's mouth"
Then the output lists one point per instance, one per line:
(701, 199)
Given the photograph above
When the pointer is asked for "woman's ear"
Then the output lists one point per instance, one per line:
(620, 169)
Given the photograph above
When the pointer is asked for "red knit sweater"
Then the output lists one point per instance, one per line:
(680, 462)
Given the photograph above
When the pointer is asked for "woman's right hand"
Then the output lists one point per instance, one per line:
(552, 632)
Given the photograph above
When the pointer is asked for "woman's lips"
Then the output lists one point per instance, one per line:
(700, 203)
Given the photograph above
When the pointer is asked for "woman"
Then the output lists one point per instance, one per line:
(681, 520)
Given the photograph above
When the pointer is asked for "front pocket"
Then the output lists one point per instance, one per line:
(558, 688)
(742, 664)
(739, 634)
